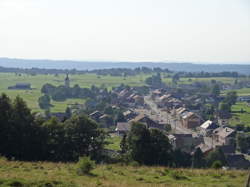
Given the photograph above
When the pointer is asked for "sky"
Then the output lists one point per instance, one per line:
(201, 31)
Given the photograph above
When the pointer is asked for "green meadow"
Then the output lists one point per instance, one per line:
(47, 174)
(240, 117)
(37, 81)
(83, 80)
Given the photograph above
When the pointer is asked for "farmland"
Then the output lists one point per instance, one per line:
(15, 173)
(37, 81)
(241, 114)
(83, 80)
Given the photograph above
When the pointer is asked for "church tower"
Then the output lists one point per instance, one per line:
(66, 81)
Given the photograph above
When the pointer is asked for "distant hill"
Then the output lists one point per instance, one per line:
(88, 65)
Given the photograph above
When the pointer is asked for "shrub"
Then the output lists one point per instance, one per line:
(217, 164)
(85, 165)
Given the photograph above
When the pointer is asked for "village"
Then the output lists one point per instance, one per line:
(180, 112)
(184, 127)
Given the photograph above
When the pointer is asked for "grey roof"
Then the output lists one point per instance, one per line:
(123, 126)
(224, 131)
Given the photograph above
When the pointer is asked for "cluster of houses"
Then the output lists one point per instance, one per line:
(128, 97)
(124, 127)
(208, 135)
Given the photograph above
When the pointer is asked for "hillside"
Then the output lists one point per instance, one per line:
(14, 173)
(243, 68)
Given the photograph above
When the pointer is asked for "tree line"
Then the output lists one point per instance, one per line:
(26, 136)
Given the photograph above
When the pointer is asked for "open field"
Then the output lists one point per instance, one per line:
(86, 80)
(114, 142)
(240, 118)
(14, 173)
(240, 92)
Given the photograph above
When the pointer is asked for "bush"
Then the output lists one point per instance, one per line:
(85, 165)
(217, 164)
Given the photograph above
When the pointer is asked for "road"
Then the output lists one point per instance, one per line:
(163, 117)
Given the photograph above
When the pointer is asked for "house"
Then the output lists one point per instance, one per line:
(205, 149)
(224, 135)
(95, 115)
(139, 100)
(20, 86)
(105, 120)
(237, 161)
(122, 128)
(191, 120)
(207, 128)
(142, 118)
(156, 93)
(184, 142)
(129, 114)
(223, 122)
(163, 101)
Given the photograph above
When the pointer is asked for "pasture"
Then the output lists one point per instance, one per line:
(83, 80)
(241, 114)
(37, 81)
(27, 174)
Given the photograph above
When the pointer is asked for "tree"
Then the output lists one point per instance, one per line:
(243, 143)
(84, 138)
(175, 78)
(150, 147)
(160, 147)
(217, 164)
(197, 160)
(225, 107)
(154, 80)
(139, 143)
(216, 90)
(215, 155)
(54, 147)
(123, 144)
(68, 112)
(44, 102)
(231, 98)
(181, 159)
(23, 130)
(47, 88)
(6, 112)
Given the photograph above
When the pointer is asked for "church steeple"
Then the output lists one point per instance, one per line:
(67, 81)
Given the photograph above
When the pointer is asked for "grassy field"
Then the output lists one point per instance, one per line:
(238, 117)
(114, 142)
(29, 174)
(86, 80)
(240, 92)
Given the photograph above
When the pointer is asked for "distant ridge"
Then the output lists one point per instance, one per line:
(91, 65)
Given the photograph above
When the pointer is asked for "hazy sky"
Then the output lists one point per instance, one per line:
(126, 30)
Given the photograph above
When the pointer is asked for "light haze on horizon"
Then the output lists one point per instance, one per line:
(126, 30)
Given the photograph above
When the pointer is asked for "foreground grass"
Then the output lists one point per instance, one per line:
(58, 174)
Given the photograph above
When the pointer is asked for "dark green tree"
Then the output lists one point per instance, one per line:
(215, 155)
(139, 143)
(216, 90)
(198, 160)
(44, 102)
